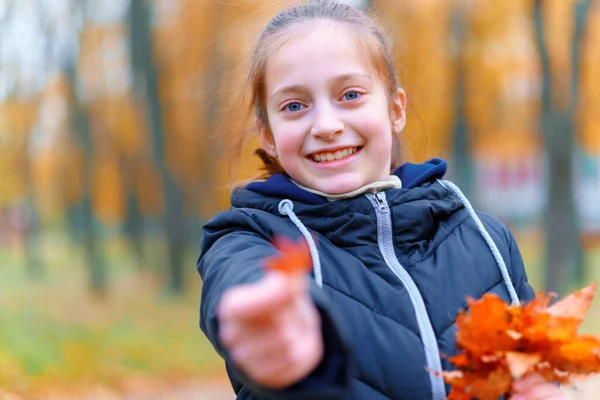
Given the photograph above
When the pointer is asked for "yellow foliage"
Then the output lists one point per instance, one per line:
(47, 182)
(148, 188)
(426, 72)
(507, 145)
(559, 24)
(589, 111)
(72, 174)
(17, 118)
(108, 188)
(103, 62)
(202, 48)
(11, 370)
(122, 121)
(78, 358)
(502, 70)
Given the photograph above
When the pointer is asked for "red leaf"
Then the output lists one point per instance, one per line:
(292, 258)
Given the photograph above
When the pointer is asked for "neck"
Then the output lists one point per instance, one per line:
(392, 182)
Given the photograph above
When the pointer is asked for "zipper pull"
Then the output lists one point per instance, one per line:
(381, 202)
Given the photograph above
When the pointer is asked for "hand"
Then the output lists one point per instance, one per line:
(272, 329)
(534, 387)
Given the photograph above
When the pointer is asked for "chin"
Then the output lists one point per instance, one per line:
(336, 186)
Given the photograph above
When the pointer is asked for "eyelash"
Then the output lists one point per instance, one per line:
(358, 94)
(287, 106)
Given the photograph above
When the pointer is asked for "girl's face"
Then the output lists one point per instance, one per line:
(330, 123)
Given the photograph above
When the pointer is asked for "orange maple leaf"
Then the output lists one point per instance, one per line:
(488, 318)
(575, 305)
(519, 364)
(292, 258)
(501, 343)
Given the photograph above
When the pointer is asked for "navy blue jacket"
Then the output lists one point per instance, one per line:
(392, 270)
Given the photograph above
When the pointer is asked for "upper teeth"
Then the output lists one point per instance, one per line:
(335, 155)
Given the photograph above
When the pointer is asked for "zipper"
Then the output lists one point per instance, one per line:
(386, 247)
(381, 203)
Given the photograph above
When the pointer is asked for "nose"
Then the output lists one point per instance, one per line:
(327, 123)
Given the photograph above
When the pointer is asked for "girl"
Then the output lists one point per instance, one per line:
(395, 249)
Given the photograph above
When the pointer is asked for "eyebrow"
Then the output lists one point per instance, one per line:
(346, 77)
(339, 78)
(286, 89)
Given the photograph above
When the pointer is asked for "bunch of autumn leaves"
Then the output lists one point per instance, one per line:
(500, 343)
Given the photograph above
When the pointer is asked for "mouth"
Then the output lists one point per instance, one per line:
(339, 154)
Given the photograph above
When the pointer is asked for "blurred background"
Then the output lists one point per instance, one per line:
(113, 154)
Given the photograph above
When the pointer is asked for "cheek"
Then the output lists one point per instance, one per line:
(289, 140)
(378, 131)
(374, 120)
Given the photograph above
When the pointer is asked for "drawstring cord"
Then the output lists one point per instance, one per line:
(488, 239)
(286, 207)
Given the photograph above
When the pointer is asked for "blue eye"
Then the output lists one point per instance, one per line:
(294, 107)
(353, 95)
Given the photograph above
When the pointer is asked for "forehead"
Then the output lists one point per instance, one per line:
(315, 50)
(307, 37)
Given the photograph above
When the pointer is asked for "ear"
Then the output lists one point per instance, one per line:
(266, 138)
(398, 110)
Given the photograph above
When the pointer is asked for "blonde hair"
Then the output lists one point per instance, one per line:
(371, 40)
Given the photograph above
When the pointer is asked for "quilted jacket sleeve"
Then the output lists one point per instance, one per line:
(232, 250)
(519, 275)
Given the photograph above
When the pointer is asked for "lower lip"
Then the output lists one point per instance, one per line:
(342, 162)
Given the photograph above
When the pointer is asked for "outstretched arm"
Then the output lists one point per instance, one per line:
(275, 332)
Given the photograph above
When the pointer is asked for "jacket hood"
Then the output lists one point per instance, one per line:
(411, 175)
(417, 207)
(424, 212)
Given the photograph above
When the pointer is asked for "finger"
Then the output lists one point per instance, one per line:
(234, 331)
(542, 391)
(255, 349)
(281, 373)
(257, 300)
(277, 363)
(527, 396)
(230, 332)
(297, 284)
(527, 382)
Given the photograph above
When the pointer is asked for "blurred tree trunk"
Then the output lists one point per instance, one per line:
(134, 221)
(81, 129)
(146, 87)
(461, 160)
(32, 234)
(563, 250)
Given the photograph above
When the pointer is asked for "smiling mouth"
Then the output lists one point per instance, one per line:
(334, 155)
